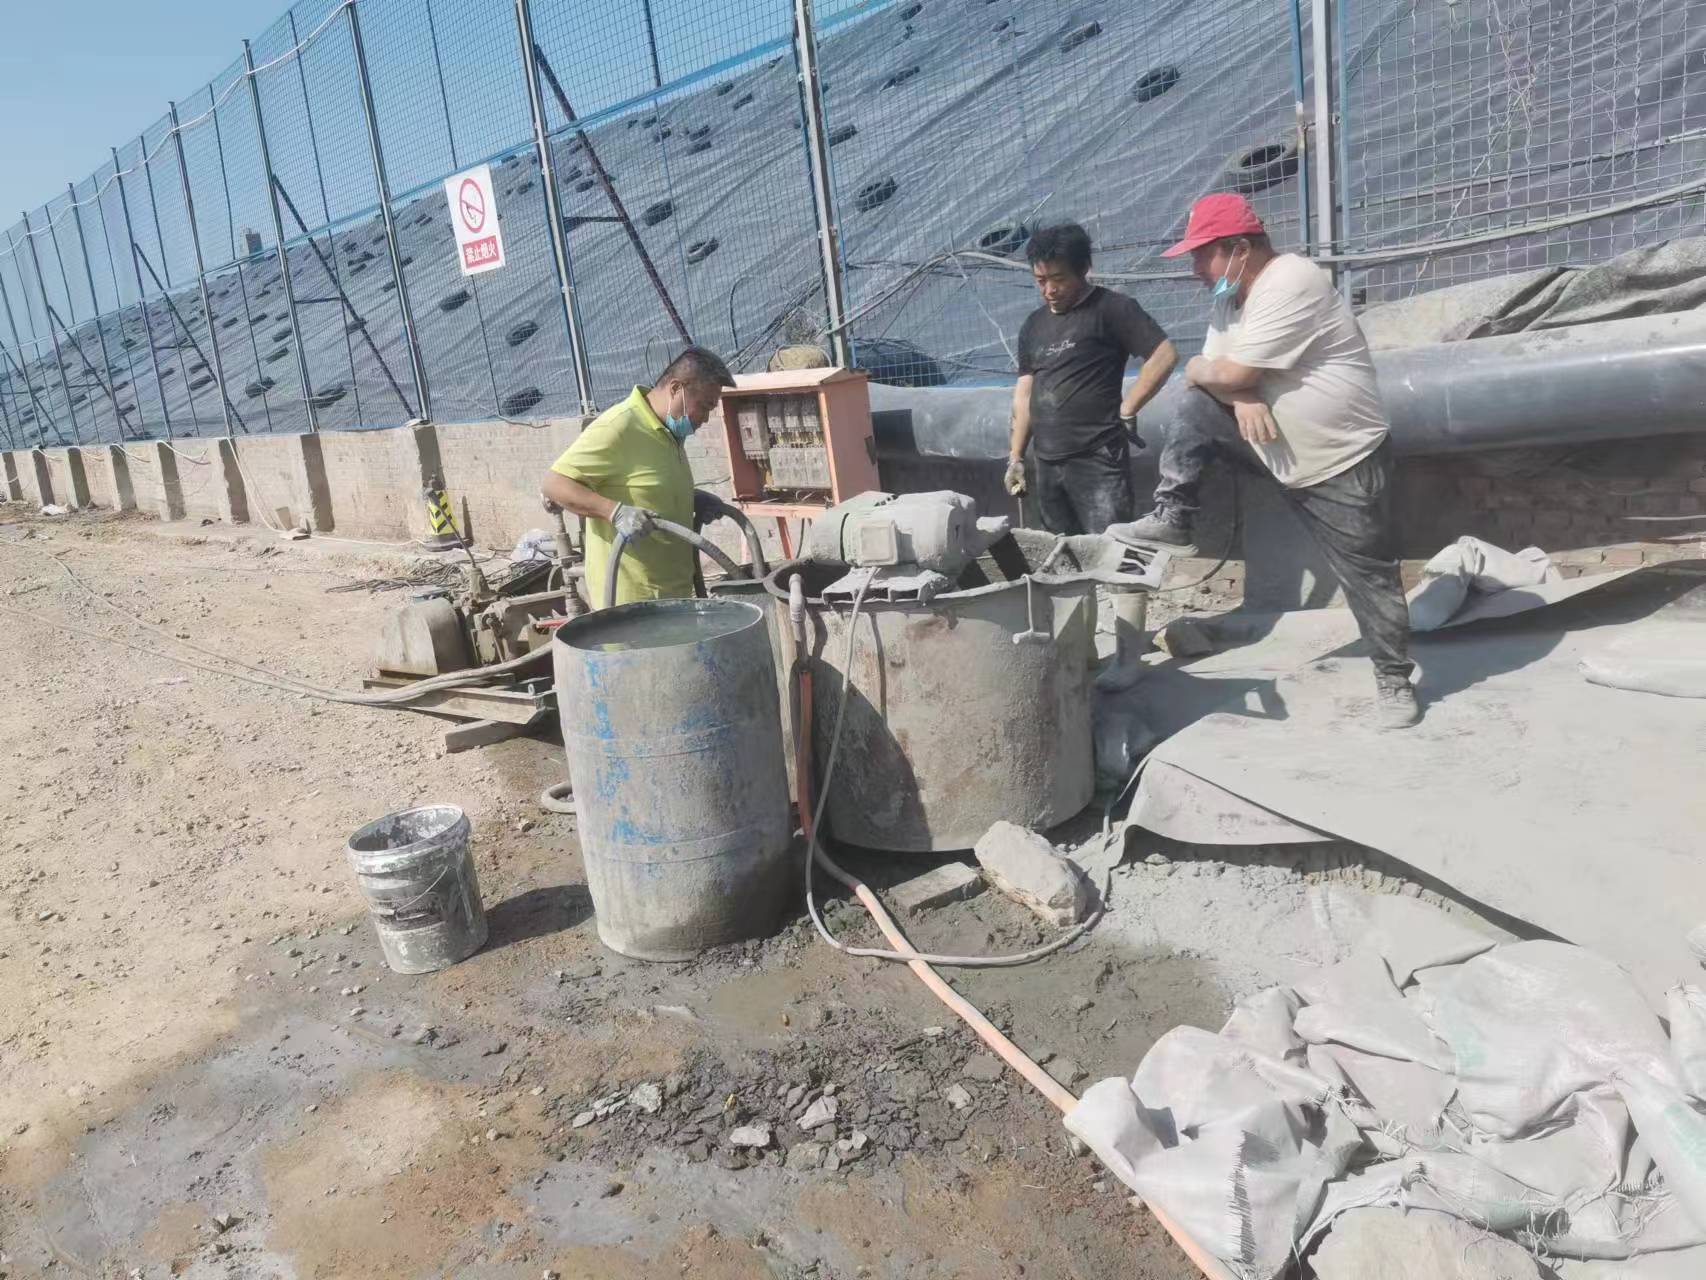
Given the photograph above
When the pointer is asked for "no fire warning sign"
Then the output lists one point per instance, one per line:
(474, 215)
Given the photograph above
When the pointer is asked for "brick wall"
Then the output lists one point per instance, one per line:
(1628, 493)
(374, 478)
(492, 472)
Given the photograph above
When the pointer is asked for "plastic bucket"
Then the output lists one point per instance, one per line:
(416, 870)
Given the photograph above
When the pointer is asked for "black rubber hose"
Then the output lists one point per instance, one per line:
(675, 531)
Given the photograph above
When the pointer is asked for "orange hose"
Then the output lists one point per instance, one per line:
(987, 1031)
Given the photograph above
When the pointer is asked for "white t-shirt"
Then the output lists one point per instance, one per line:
(1319, 380)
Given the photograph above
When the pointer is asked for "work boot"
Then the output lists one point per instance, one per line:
(1163, 527)
(1395, 705)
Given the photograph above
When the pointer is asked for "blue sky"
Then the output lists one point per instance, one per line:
(76, 79)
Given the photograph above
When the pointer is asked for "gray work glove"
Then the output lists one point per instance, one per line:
(632, 522)
(1014, 480)
(1128, 423)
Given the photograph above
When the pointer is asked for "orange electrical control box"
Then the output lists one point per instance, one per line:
(799, 442)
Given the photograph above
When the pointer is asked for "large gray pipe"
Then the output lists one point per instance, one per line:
(1617, 380)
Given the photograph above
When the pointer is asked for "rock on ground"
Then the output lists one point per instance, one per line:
(950, 882)
(1391, 1244)
(750, 1135)
(1024, 866)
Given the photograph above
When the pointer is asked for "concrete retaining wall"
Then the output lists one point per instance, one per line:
(35, 477)
(492, 472)
(98, 476)
(1589, 507)
(200, 476)
(375, 479)
(284, 480)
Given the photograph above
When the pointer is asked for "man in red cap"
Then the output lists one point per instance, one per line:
(1292, 383)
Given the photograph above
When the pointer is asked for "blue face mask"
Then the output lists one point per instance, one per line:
(680, 425)
(1225, 286)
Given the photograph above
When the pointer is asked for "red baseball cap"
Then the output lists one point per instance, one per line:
(1215, 217)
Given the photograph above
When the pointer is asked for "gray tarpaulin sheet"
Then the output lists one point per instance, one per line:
(1523, 1088)
(1574, 807)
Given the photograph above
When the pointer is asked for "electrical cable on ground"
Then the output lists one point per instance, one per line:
(286, 684)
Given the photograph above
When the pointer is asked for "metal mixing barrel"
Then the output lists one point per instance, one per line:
(672, 727)
(951, 725)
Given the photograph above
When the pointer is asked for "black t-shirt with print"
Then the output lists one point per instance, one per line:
(1078, 360)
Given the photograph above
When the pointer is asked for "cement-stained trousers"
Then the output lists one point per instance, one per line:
(1349, 516)
(1087, 493)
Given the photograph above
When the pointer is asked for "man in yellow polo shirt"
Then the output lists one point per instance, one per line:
(628, 468)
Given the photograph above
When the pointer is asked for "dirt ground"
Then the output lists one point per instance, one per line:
(207, 1070)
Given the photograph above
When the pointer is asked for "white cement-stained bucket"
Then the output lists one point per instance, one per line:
(416, 871)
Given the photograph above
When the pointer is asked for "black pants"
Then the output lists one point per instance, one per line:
(1087, 493)
(1350, 517)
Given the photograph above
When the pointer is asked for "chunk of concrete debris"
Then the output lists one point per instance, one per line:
(1390, 1244)
(753, 1136)
(1024, 866)
(647, 1097)
(950, 882)
(1065, 1071)
(957, 1096)
(805, 1155)
(983, 1067)
(820, 1113)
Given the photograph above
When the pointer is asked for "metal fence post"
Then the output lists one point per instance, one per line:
(41, 288)
(1341, 134)
(100, 329)
(553, 210)
(823, 195)
(71, 309)
(1326, 199)
(19, 370)
(201, 270)
(1300, 108)
(417, 366)
(166, 286)
(278, 236)
(141, 297)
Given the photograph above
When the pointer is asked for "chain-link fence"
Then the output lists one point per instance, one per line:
(277, 253)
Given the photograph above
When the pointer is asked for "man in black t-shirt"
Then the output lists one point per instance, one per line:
(1072, 356)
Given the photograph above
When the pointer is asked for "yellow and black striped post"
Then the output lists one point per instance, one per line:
(440, 519)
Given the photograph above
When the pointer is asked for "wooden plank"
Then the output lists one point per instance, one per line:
(474, 704)
(482, 733)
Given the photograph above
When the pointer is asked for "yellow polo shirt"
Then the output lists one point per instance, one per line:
(626, 454)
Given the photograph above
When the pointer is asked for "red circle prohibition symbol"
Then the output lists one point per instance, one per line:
(472, 203)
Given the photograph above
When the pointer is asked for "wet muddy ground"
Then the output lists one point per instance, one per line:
(207, 1070)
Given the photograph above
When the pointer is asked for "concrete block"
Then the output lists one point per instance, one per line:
(950, 882)
(123, 497)
(233, 502)
(77, 479)
(43, 478)
(1024, 866)
(319, 504)
(169, 491)
(10, 489)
